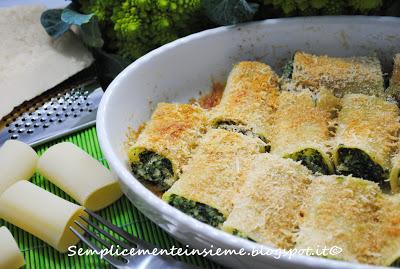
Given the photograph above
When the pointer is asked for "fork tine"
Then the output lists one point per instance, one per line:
(114, 262)
(105, 233)
(94, 235)
(119, 231)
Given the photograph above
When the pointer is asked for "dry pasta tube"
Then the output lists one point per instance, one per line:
(10, 255)
(41, 213)
(79, 175)
(17, 162)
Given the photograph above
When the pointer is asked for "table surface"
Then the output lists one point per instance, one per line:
(48, 3)
(122, 213)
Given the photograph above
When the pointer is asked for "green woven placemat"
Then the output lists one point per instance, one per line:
(122, 213)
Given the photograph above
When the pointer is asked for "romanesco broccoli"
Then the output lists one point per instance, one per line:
(132, 28)
(325, 7)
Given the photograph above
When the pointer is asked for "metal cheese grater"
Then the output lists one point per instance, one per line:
(68, 107)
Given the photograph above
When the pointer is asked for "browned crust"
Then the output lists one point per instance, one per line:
(395, 79)
(341, 75)
(213, 98)
(173, 131)
(214, 174)
(368, 123)
(250, 97)
(303, 120)
(268, 207)
(354, 215)
(394, 87)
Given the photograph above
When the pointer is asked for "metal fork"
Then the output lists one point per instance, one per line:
(143, 261)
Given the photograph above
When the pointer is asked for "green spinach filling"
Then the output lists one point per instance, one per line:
(396, 263)
(242, 235)
(287, 70)
(312, 159)
(234, 127)
(352, 161)
(398, 179)
(199, 211)
(153, 168)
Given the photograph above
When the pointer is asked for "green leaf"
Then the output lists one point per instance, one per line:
(226, 12)
(108, 66)
(89, 29)
(52, 23)
(394, 9)
(75, 18)
(91, 34)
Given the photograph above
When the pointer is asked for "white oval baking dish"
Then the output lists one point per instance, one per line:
(182, 69)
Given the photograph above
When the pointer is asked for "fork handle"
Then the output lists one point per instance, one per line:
(164, 262)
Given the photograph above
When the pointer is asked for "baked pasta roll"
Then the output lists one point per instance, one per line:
(214, 176)
(354, 215)
(248, 101)
(365, 137)
(394, 86)
(302, 128)
(341, 75)
(267, 209)
(395, 174)
(165, 143)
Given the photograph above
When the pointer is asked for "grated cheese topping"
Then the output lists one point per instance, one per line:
(267, 209)
(394, 87)
(214, 174)
(173, 132)
(370, 124)
(341, 75)
(354, 215)
(249, 98)
(303, 120)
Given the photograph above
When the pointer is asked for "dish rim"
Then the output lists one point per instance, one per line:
(156, 203)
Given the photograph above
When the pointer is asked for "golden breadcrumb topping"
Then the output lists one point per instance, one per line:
(395, 172)
(394, 87)
(214, 174)
(331, 103)
(249, 98)
(341, 75)
(368, 123)
(395, 79)
(303, 120)
(267, 209)
(173, 131)
(354, 215)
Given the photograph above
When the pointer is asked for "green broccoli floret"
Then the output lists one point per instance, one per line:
(325, 7)
(365, 5)
(333, 8)
(132, 28)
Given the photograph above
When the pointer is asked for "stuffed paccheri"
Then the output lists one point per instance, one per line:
(273, 145)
